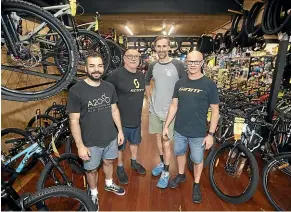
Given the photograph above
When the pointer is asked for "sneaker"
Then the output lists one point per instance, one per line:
(115, 189)
(94, 199)
(122, 177)
(164, 180)
(138, 168)
(177, 180)
(196, 195)
(158, 169)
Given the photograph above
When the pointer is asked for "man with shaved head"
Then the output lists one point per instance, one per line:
(192, 97)
(130, 86)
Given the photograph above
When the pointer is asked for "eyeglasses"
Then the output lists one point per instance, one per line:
(195, 62)
(130, 56)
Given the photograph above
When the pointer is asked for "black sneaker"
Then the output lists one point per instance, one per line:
(122, 177)
(115, 189)
(138, 168)
(177, 180)
(196, 194)
(94, 199)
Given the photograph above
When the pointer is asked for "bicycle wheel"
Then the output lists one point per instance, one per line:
(54, 199)
(87, 42)
(56, 111)
(277, 182)
(116, 55)
(50, 176)
(33, 75)
(41, 121)
(13, 142)
(238, 168)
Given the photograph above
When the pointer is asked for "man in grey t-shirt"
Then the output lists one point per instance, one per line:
(165, 73)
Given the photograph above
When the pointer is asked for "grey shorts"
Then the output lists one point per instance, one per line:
(156, 125)
(97, 153)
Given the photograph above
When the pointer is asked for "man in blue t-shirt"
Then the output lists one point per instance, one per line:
(192, 97)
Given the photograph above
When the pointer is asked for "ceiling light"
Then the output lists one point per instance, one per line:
(129, 31)
(164, 32)
(171, 30)
(164, 26)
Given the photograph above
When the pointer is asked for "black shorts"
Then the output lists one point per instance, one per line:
(133, 135)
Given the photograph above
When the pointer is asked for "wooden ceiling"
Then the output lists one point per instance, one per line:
(151, 24)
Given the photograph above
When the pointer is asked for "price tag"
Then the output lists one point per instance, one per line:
(209, 115)
(73, 6)
(96, 25)
(238, 127)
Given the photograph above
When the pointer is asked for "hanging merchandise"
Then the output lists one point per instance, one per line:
(277, 17)
(252, 30)
(205, 44)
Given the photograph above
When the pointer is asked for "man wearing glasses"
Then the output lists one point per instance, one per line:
(165, 72)
(192, 97)
(130, 86)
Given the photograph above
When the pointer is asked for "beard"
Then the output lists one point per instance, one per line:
(96, 79)
(162, 55)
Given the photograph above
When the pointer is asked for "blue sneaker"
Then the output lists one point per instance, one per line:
(164, 180)
(158, 169)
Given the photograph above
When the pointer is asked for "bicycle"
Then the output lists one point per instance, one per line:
(10, 200)
(30, 63)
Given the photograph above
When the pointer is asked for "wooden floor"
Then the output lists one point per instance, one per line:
(142, 193)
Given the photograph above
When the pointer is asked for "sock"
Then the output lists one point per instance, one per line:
(162, 158)
(94, 192)
(120, 165)
(166, 168)
(108, 182)
(181, 175)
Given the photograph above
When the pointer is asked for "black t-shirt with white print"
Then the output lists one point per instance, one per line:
(194, 99)
(94, 105)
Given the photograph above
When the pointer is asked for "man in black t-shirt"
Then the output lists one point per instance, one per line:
(192, 97)
(130, 86)
(93, 112)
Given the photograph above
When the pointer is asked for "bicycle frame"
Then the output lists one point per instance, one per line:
(34, 148)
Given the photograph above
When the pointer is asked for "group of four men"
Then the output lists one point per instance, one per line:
(105, 115)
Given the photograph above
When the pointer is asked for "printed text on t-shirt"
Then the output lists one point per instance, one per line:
(99, 104)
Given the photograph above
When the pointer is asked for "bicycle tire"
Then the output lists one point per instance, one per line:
(250, 191)
(55, 107)
(68, 76)
(41, 116)
(59, 191)
(103, 43)
(266, 170)
(49, 167)
(31, 163)
(120, 51)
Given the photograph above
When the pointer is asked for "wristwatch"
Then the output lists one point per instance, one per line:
(211, 133)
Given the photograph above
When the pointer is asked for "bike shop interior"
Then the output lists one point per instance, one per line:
(246, 46)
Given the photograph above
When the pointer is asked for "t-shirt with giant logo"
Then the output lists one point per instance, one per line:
(130, 89)
(194, 99)
(94, 105)
(165, 75)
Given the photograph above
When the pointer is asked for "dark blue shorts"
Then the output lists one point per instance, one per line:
(133, 135)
